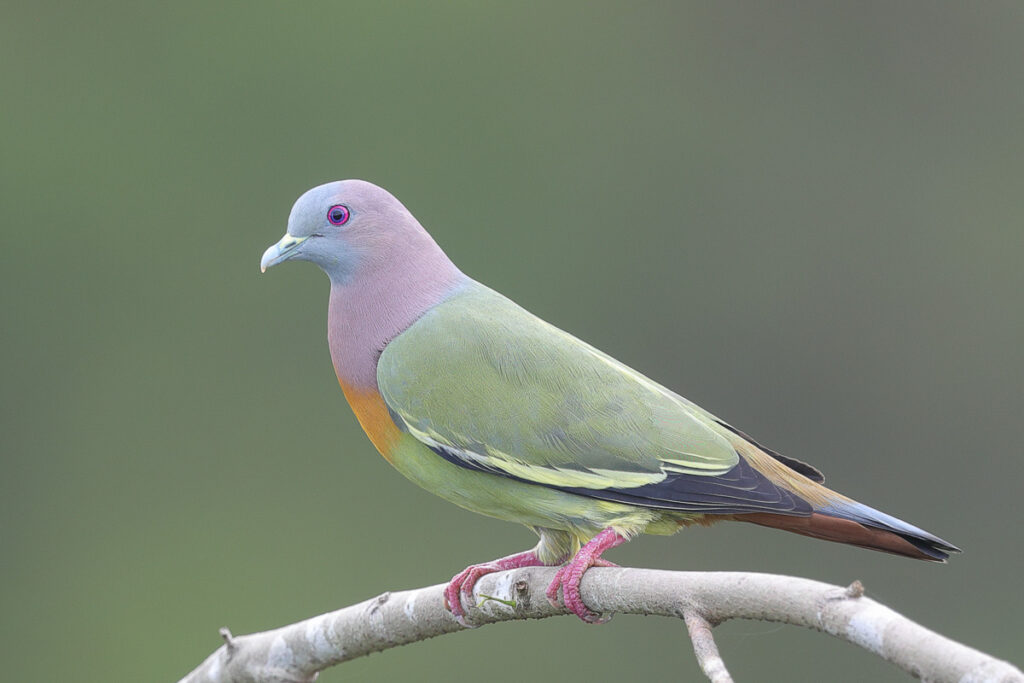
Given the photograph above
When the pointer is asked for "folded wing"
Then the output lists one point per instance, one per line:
(491, 387)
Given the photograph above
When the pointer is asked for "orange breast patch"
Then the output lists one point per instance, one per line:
(373, 417)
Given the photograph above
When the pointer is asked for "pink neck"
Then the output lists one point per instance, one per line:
(371, 308)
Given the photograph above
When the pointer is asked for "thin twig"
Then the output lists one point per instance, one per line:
(705, 648)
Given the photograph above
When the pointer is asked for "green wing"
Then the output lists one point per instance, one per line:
(490, 387)
(498, 387)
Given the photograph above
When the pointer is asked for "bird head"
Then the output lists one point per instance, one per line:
(345, 227)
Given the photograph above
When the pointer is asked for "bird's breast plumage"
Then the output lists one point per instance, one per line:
(373, 417)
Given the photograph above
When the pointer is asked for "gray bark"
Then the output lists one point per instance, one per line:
(298, 652)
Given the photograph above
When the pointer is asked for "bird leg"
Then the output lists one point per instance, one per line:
(569, 576)
(463, 582)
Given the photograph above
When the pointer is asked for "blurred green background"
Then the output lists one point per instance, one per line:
(808, 218)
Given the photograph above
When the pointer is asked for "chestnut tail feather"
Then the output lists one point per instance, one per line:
(828, 527)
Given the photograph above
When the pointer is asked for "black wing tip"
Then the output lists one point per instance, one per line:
(798, 466)
(743, 489)
(740, 490)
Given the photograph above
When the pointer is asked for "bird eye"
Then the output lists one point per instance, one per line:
(338, 214)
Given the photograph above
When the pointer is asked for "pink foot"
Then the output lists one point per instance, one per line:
(568, 577)
(463, 582)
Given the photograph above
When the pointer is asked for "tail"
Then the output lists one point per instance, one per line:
(853, 523)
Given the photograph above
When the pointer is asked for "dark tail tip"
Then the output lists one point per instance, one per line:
(930, 545)
(908, 541)
(937, 550)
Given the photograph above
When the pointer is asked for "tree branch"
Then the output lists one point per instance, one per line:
(704, 647)
(296, 653)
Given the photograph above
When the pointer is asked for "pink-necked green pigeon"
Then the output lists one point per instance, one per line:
(477, 400)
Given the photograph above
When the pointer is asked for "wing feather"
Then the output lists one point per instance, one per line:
(489, 386)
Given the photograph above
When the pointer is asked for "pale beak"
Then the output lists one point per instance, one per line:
(282, 251)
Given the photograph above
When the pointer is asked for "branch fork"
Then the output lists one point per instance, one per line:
(298, 652)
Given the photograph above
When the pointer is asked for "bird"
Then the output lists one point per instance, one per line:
(477, 400)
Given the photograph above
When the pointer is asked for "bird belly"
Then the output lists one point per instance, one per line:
(512, 500)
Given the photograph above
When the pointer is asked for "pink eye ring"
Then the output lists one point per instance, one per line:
(338, 214)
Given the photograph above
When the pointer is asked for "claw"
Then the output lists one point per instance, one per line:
(556, 583)
(569, 576)
(462, 583)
